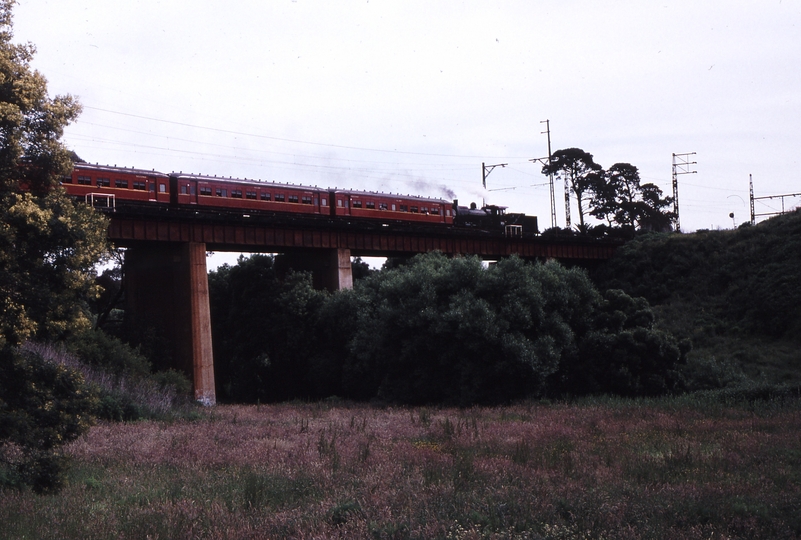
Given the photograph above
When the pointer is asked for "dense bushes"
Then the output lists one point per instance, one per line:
(123, 378)
(747, 280)
(261, 330)
(449, 331)
(434, 330)
(623, 354)
(42, 406)
(736, 294)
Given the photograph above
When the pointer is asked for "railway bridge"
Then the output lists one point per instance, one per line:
(166, 277)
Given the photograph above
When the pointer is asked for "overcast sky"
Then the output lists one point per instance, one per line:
(411, 96)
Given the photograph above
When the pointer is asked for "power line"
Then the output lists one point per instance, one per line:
(435, 166)
(767, 197)
(296, 141)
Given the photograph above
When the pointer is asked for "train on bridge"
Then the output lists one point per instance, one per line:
(109, 187)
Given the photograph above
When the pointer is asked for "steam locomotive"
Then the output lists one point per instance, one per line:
(109, 187)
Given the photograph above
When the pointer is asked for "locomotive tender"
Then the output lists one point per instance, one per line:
(109, 186)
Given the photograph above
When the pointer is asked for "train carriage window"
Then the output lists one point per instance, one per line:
(382, 206)
(162, 188)
(205, 190)
(447, 212)
(339, 203)
(152, 187)
(293, 198)
(66, 180)
(404, 208)
(103, 182)
(184, 190)
(192, 190)
(424, 210)
(85, 180)
(371, 205)
(324, 201)
(394, 207)
(280, 197)
(265, 196)
(140, 185)
(121, 184)
(250, 194)
(413, 209)
(435, 210)
(306, 199)
(357, 204)
(221, 192)
(236, 193)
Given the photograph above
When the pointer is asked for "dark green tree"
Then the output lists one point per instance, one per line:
(622, 353)
(581, 175)
(442, 330)
(48, 250)
(622, 201)
(48, 246)
(262, 327)
(654, 213)
(616, 199)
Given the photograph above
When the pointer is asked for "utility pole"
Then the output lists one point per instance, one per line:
(567, 203)
(542, 161)
(681, 165)
(751, 191)
(553, 198)
(485, 172)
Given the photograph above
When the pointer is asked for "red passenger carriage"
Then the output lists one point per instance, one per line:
(117, 182)
(212, 191)
(391, 207)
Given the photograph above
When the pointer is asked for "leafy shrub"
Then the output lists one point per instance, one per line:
(623, 354)
(100, 350)
(709, 372)
(440, 330)
(43, 405)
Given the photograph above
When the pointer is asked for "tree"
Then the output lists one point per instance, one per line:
(262, 327)
(621, 200)
(615, 201)
(48, 246)
(581, 175)
(48, 250)
(443, 330)
(623, 354)
(654, 215)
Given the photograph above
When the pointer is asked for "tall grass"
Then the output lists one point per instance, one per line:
(604, 469)
(147, 396)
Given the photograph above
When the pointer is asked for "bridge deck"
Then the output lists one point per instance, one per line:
(259, 233)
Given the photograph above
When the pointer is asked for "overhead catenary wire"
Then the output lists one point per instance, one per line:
(283, 139)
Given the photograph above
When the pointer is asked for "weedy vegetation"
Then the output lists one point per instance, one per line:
(711, 465)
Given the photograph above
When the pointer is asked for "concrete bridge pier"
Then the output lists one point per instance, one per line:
(167, 289)
(330, 268)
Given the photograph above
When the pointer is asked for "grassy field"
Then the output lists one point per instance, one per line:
(609, 469)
